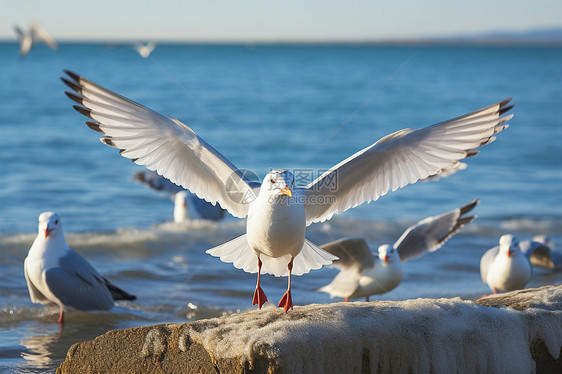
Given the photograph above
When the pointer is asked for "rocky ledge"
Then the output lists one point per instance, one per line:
(516, 332)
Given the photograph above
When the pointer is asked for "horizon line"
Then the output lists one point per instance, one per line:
(460, 40)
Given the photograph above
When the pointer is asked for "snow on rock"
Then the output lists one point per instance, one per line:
(422, 335)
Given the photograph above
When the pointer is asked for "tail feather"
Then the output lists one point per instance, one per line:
(117, 293)
(311, 257)
(238, 252)
(242, 256)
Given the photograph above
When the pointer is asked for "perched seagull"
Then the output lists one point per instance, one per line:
(186, 205)
(540, 252)
(277, 210)
(362, 274)
(145, 49)
(36, 33)
(55, 273)
(505, 267)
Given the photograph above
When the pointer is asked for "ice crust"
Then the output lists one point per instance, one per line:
(422, 335)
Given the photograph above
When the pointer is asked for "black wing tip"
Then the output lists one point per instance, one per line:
(464, 220)
(503, 110)
(471, 153)
(505, 102)
(75, 77)
(468, 207)
(95, 126)
(85, 111)
(73, 85)
(72, 96)
(117, 293)
(107, 140)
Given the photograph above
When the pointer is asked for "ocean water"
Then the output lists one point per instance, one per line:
(299, 107)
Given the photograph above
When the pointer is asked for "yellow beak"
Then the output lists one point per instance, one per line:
(286, 191)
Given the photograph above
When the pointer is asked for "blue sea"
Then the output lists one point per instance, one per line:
(263, 106)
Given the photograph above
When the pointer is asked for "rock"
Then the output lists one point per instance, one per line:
(521, 333)
(545, 298)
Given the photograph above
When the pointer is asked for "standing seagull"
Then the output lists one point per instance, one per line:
(362, 274)
(55, 273)
(36, 33)
(278, 211)
(504, 267)
(186, 205)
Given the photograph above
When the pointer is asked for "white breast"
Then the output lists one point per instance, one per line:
(508, 274)
(276, 228)
(379, 279)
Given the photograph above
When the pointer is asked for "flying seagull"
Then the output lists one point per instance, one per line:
(186, 205)
(277, 210)
(362, 274)
(55, 273)
(145, 49)
(36, 33)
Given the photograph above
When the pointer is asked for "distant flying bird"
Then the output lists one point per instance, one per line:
(145, 49)
(362, 274)
(186, 205)
(56, 274)
(278, 211)
(36, 33)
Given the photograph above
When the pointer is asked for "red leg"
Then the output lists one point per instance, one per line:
(61, 318)
(346, 299)
(259, 295)
(287, 301)
(495, 291)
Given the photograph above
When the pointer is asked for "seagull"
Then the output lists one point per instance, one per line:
(186, 204)
(56, 274)
(505, 267)
(277, 211)
(362, 274)
(145, 49)
(541, 253)
(36, 33)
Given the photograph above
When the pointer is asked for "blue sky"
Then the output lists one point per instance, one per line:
(262, 20)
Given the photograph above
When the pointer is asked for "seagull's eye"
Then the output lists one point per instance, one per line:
(272, 181)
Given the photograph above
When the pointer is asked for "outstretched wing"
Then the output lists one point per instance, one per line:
(24, 39)
(38, 32)
(352, 253)
(163, 144)
(401, 158)
(431, 233)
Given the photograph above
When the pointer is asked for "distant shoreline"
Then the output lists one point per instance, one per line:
(399, 43)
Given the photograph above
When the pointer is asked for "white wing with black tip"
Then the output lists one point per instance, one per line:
(162, 144)
(401, 158)
(431, 233)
